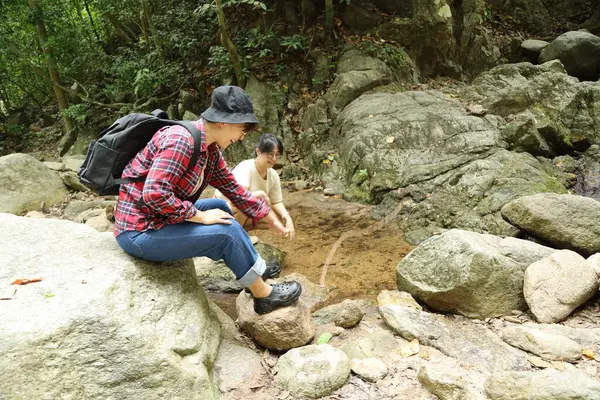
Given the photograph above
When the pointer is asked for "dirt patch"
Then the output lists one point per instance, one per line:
(361, 267)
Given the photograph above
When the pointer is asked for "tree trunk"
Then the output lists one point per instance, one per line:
(228, 44)
(151, 26)
(60, 94)
(329, 18)
(304, 5)
(92, 23)
(144, 28)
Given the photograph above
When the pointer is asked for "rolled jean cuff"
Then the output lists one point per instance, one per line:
(255, 272)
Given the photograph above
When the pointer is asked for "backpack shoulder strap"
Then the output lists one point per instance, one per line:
(197, 135)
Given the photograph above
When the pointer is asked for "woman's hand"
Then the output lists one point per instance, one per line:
(290, 225)
(261, 194)
(275, 225)
(211, 217)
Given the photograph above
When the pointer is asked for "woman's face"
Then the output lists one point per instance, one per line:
(229, 134)
(268, 159)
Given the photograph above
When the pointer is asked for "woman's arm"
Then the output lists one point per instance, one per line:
(284, 214)
(222, 179)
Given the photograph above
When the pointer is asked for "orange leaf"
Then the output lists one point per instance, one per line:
(26, 281)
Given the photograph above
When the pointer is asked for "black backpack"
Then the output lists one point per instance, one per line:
(119, 143)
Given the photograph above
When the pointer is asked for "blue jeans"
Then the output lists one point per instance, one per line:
(188, 239)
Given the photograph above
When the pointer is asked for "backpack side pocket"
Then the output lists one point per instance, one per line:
(96, 170)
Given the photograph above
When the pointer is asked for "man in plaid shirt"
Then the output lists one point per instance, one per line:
(161, 218)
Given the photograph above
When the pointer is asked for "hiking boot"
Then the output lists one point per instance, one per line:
(283, 294)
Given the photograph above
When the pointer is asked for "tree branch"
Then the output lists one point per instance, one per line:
(135, 106)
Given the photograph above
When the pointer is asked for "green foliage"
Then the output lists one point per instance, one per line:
(256, 4)
(294, 42)
(389, 53)
(259, 43)
(78, 112)
(219, 60)
(107, 47)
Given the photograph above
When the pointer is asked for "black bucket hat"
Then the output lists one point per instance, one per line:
(230, 104)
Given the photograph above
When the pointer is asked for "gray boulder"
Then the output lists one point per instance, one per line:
(422, 147)
(532, 48)
(556, 285)
(26, 183)
(579, 51)
(448, 380)
(588, 180)
(562, 117)
(101, 324)
(469, 343)
(282, 329)
(542, 385)
(381, 345)
(563, 220)
(349, 85)
(369, 369)
(476, 275)
(345, 314)
(547, 345)
(313, 371)
(236, 365)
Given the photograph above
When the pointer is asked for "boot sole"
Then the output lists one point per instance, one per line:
(264, 307)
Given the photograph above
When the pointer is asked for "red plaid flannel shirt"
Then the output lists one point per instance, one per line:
(167, 195)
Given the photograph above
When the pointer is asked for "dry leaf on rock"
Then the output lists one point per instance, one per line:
(389, 140)
(26, 281)
(589, 354)
(410, 349)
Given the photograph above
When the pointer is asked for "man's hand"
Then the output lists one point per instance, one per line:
(211, 217)
(275, 225)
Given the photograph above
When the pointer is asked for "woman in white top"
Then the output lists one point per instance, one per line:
(258, 176)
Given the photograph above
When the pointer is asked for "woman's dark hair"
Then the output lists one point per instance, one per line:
(267, 142)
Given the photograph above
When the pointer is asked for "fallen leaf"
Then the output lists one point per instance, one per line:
(389, 140)
(326, 161)
(26, 281)
(410, 349)
(48, 295)
(324, 338)
(370, 115)
(589, 354)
